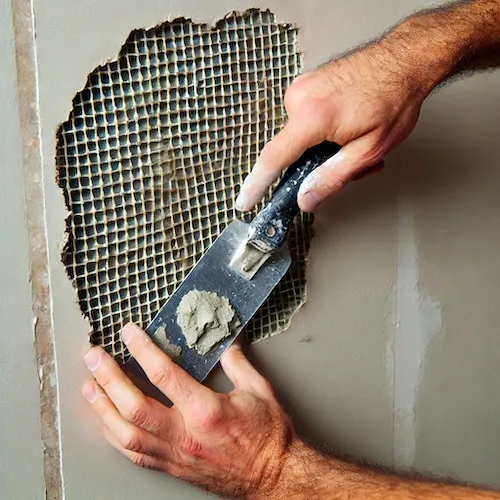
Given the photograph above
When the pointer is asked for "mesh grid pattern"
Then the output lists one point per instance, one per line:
(150, 159)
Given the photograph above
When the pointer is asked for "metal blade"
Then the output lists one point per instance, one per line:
(215, 273)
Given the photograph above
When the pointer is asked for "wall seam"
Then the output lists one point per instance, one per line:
(407, 333)
(418, 321)
(43, 327)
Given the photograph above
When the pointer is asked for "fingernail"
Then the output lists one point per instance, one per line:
(89, 391)
(127, 332)
(309, 201)
(307, 198)
(241, 202)
(92, 359)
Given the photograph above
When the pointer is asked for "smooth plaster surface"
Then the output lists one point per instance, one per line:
(459, 242)
(21, 450)
(407, 258)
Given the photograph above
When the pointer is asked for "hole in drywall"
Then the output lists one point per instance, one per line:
(151, 158)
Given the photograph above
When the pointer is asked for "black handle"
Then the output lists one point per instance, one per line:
(269, 229)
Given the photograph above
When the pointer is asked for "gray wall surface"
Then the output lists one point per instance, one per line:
(401, 364)
(21, 460)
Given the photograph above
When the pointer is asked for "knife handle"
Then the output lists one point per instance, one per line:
(269, 229)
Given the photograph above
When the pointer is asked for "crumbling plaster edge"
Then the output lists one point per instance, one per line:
(214, 25)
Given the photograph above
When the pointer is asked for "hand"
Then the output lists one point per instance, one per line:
(365, 102)
(231, 444)
(239, 445)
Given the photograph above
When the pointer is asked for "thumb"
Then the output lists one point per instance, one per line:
(241, 372)
(279, 153)
(349, 163)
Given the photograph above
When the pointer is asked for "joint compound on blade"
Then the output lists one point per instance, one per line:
(205, 319)
(160, 338)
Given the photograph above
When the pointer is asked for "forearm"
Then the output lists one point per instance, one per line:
(448, 40)
(428, 48)
(309, 474)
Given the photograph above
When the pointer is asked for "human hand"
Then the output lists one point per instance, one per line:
(365, 102)
(231, 444)
(239, 445)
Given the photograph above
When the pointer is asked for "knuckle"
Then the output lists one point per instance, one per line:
(293, 95)
(299, 91)
(138, 414)
(314, 109)
(374, 152)
(106, 374)
(314, 106)
(194, 449)
(209, 418)
(334, 184)
(139, 460)
(143, 461)
(161, 374)
(132, 441)
(105, 379)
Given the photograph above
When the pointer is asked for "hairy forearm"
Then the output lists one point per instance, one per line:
(443, 42)
(308, 474)
(428, 48)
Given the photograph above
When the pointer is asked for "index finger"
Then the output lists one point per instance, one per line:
(278, 154)
(182, 389)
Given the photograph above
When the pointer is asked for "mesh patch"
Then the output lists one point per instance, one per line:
(150, 159)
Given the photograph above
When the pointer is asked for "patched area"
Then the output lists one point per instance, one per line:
(152, 157)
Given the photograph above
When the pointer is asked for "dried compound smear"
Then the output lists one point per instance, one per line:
(159, 337)
(151, 158)
(205, 319)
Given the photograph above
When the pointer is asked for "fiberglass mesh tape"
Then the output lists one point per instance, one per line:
(151, 157)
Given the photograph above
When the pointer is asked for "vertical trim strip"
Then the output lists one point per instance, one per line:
(27, 82)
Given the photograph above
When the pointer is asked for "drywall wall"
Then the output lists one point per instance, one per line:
(459, 237)
(393, 358)
(21, 456)
(70, 44)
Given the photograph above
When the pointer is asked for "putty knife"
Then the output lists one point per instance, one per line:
(244, 265)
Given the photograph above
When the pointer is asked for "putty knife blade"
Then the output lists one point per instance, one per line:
(227, 271)
(214, 273)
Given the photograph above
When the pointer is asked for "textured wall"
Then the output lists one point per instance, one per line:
(401, 361)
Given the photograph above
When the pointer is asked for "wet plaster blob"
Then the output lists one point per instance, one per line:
(205, 319)
(151, 158)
